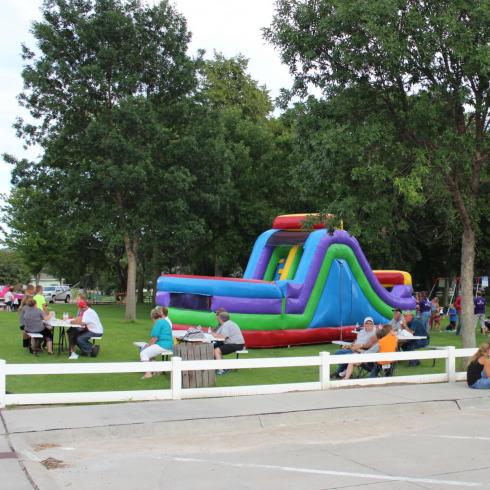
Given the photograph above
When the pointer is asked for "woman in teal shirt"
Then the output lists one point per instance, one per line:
(161, 337)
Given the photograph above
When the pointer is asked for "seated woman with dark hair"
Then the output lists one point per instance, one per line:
(478, 372)
(33, 320)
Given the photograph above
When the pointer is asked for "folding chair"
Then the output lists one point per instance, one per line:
(386, 370)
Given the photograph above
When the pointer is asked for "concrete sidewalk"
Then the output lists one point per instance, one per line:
(27, 429)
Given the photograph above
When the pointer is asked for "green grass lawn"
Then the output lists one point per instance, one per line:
(117, 346)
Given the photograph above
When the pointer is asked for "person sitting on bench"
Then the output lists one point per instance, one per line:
(161, 337)
(415, 327)
(229, 338)
(85, 326)
(33, 320)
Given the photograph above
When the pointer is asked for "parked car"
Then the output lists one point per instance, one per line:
(57, 293)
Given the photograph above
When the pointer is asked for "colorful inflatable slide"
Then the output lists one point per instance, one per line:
(301, 286)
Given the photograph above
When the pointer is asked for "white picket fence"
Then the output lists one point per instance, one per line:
(324, 361)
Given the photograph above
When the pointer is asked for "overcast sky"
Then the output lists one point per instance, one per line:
(228, 26)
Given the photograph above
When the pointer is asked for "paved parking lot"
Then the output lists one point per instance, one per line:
(440, 442)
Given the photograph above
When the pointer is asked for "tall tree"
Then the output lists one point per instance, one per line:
(428, 64)
(100, 88)
(352, 165)
(13, 269)
(237, 153)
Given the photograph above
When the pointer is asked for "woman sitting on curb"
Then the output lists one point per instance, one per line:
(478, 372)
(161, 337)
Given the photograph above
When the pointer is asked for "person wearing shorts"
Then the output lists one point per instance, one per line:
(478, 372)
(229, 337)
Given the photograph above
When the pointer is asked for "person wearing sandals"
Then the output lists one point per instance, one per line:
(161, 337)
(33, 320)
(478, 372)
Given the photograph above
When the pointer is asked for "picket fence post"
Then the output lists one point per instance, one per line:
(451, 364)
(176, 377)
(3, 384)
(325, 370)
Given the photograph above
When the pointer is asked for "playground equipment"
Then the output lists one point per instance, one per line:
(301, 286)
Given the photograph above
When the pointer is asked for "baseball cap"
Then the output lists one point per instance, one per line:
(368, 319)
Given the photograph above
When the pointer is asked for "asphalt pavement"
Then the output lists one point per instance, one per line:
(387, 437)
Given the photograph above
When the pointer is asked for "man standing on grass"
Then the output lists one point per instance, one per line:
(459, 311)
(86, 325)
(229, 337)
(479, 303)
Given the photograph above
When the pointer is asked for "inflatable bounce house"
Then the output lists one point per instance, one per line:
(301, 286)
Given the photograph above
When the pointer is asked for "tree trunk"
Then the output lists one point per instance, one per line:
(156, 269)
(218, 270)
(141, 286)
(467, 269)
(131, 245)
(445, 293)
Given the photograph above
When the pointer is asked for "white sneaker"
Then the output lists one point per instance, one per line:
(73, 356)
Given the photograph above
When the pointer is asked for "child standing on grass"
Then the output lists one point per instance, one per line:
(435, 319)
(453, 317)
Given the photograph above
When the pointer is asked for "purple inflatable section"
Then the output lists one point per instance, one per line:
(246, 305)
(162, 298)
(402, 291)
(265, 256)
(297, 305)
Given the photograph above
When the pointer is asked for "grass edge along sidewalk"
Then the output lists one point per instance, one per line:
(117, 346)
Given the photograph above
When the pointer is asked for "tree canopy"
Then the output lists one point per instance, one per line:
(426, 66)
(101, 87)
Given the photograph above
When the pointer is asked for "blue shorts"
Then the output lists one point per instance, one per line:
(483, 383)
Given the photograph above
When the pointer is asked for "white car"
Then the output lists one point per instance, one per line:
(57, 293)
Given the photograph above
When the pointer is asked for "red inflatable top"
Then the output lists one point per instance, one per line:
(295, 221)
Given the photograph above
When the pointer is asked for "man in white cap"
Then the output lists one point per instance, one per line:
(365, 340)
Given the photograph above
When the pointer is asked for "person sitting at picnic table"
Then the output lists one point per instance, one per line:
(85, 326)
(33, 320)
(9, 299)
(217, 312)
(365, 340)
(388, 343)
(478, 371)
(164, 314)
(368, 366)
(28, 294)
(161, 338)
(229, 338)
(397, 321)
(414, 327)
